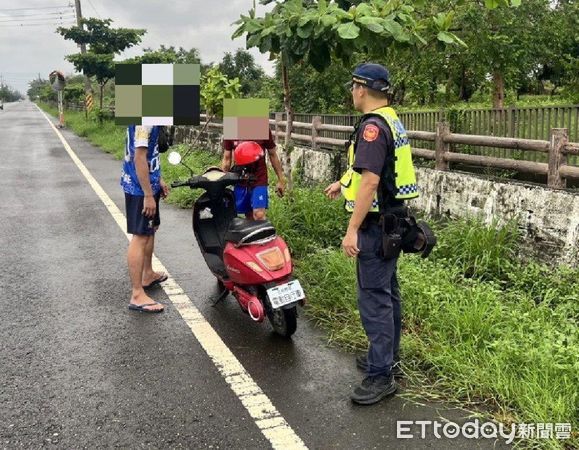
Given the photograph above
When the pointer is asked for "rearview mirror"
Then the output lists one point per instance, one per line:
(174, 158)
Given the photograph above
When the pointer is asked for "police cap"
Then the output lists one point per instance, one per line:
(373, 76)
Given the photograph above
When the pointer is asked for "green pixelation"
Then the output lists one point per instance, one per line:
(128, 74)
(158, 101)
(186, 74)
(145, 92)
(246, 107)
(128, 101)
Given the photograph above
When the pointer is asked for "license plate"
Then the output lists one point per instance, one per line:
(284, 294)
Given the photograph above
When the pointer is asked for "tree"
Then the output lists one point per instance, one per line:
(242, 65)
(560, 64)
(38, 89)
(320, 92)
(314, 31)
(103, 43)
(503, 42)
(215, 87)
(7, 94)
(167, 55)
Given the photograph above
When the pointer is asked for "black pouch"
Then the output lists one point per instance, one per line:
(417, 237)
(391, 237)
(166, 138)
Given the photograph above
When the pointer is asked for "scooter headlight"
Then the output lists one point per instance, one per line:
(272, 258)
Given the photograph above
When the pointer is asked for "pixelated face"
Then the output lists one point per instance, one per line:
(246, 119)
(157, 94)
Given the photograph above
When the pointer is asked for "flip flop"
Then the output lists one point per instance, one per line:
(159, 280)
(141, 308)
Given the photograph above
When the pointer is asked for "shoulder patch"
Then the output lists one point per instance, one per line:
(371, 132)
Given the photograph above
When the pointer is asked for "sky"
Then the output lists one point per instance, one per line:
(29, 45)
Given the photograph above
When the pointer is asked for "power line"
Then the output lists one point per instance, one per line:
(36, 25)
(11, 77)
(40, 19)
(47, 13)
(33, 8)
(97, 13)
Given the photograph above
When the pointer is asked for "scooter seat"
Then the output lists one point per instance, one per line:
(245, 231)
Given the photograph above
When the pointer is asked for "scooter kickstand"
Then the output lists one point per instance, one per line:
(221, 297)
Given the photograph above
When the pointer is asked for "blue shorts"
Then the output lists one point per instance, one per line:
(137, 223)
(249, 198)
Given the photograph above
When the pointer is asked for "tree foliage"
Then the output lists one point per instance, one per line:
(315, 30)
(37, 89)
(509, 48)
(7, 94)
(167, 55)
(241, 65)
(215, 87)
(314, 91)
(41, 89)
(103, 44)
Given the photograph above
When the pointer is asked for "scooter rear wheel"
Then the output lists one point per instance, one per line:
(283, 321)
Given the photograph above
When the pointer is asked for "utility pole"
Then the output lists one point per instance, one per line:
(87, 85)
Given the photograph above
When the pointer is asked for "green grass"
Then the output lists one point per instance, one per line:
(106, 135)
(481, 328)
(198, 161)
(512, 350)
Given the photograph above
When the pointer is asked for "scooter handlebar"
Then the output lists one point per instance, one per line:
(200, 181)
(175, 184)
(191, 182)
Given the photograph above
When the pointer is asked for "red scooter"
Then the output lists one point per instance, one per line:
(247, 257)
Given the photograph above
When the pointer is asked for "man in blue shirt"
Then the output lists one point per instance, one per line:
(143, 186)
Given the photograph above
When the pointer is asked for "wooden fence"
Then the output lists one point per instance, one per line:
(552, 152)
(524, 122)
(556, 149)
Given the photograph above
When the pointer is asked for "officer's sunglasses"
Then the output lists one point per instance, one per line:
(350, 85)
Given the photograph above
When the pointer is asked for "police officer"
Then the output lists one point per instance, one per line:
(380, 176)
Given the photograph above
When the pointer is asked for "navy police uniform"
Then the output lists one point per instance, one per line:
(378, 288)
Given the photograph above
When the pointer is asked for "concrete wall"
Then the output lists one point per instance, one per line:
(548, 219)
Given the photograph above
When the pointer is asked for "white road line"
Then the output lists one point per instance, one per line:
(267, 418)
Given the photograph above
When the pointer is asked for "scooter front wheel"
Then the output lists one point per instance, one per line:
(284, 321)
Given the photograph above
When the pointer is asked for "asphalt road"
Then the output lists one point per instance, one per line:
(79, 370)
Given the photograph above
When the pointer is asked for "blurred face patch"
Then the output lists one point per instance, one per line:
(370, 132)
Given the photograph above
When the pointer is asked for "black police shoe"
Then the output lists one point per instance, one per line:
(373, 389)
(362, 364)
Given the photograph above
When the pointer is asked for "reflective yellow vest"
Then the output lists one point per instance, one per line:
(405, 178)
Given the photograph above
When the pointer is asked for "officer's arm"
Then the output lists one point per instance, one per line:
(364, 198)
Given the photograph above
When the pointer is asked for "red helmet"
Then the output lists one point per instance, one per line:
(247, 152)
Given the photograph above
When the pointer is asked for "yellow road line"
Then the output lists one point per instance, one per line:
(267, 418)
